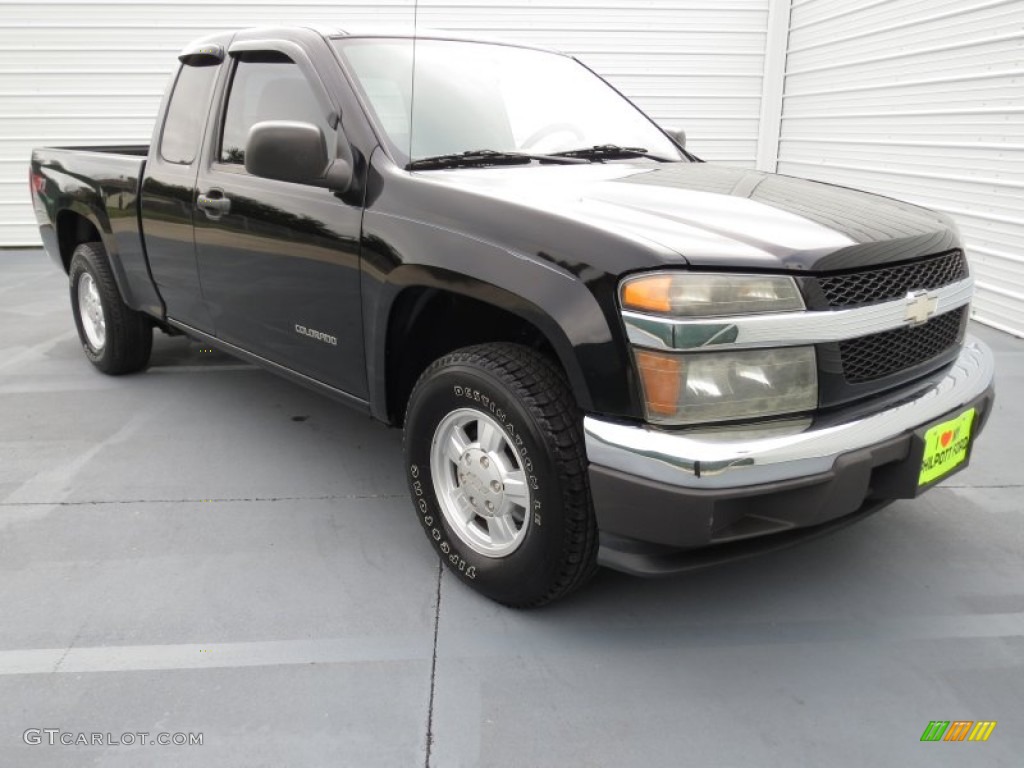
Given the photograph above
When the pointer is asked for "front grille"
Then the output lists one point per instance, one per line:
(873, 357)
(888, 283)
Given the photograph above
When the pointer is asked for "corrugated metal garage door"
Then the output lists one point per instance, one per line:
(921, 100)
(94, 72)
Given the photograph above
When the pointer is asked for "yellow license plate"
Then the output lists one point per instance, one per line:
(945, 447)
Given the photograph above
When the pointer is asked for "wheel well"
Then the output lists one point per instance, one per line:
(73, 229)
(427, 323)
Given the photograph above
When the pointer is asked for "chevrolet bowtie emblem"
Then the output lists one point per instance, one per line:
(920, 306)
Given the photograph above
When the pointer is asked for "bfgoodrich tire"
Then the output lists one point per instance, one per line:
(115, 338)
(498, 474)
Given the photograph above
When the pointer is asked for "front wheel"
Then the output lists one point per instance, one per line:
(498, 473)
(115, 337)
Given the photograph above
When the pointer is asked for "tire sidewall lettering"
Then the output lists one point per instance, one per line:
(421, 485)
(472, 393)
(428, 519)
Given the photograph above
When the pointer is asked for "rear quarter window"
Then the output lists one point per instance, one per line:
(183, 127)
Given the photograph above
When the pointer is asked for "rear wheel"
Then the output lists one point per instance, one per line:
(115, 337)
(497, 472)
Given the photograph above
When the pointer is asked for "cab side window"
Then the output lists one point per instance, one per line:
(186, 113)
(266, 87)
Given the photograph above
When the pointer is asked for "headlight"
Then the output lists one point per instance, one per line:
(702, 387)
(696, 294)
(694, 387)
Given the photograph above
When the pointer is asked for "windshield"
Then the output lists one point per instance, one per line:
(479, 96)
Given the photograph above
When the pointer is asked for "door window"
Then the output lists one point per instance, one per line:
(270, 87)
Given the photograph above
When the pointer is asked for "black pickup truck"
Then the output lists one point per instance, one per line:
(601, 349)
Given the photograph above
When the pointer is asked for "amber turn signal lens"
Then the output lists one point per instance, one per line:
(650, 293)
(662, 377)
(708, 294)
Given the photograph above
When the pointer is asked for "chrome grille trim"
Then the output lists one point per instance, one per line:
(786, 329)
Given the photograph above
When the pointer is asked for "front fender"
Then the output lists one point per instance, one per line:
(400, 252)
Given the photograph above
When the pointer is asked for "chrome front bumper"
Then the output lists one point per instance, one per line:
(725, 458)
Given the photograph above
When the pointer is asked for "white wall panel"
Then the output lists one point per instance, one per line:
(93, 72)
(921, 100)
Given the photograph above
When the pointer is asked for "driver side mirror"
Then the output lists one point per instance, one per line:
(295, 152)
(678, 135)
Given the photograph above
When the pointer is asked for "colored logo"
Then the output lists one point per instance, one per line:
(945, 447)
(958, 730)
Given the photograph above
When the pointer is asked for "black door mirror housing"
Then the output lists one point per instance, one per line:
(295, 152)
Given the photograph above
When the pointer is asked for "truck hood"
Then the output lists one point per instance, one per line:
(717, 216)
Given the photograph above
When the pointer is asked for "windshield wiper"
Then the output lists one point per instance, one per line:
(477, 158)
(608, 152)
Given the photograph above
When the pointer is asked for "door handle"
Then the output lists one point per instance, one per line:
(213, 204)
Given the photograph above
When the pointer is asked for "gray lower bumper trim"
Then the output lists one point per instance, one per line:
(712, 459)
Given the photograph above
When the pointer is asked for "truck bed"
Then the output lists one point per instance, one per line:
(136, 150)
(99, 185)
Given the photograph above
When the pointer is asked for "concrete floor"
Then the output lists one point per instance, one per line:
(208, 548)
